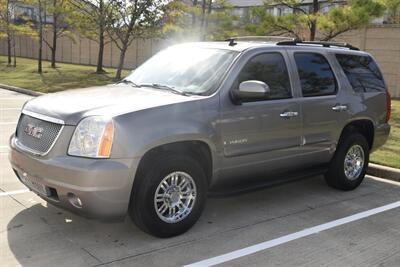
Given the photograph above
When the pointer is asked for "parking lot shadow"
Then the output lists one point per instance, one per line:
(43, 235)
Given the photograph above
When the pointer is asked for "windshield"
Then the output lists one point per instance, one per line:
(192, 70)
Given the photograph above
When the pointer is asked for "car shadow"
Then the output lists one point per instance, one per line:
(43, 235)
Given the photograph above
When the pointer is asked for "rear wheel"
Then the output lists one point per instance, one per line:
(349, 164)
(169, 195)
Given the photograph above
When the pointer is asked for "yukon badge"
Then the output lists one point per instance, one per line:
(34, 131)
(237, 141)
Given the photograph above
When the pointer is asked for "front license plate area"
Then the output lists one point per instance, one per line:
(34, 185)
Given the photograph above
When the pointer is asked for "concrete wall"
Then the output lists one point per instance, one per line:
(383, 42)
(85, 51)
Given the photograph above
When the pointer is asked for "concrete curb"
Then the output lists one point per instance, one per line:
(20, 90)
(384, 172)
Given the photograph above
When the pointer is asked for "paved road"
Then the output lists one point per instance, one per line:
(33, 233)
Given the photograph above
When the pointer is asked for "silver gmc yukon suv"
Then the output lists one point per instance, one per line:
(199, 118)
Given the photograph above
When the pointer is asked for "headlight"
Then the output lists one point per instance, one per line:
(93, 138)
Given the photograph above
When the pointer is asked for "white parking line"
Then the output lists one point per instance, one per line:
(287, 238)
(5, 109)
(10, 193)
(14, 98)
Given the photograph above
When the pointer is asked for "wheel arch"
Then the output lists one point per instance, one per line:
(198, 149)
(362, 126)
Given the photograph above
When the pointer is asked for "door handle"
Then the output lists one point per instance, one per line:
(289, 114)
(339, 108)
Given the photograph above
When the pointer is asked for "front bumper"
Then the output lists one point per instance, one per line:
(103, 185)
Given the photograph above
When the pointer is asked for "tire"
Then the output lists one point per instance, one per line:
(337, 176)
(143, 203)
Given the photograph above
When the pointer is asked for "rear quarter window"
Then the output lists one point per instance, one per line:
(362, 72)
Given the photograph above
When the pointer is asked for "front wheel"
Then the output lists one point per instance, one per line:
(349, 164)
(169, 195)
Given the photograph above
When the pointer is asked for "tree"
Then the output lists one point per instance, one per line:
(220, 22)
(38, 26)
(9, 29)
(209, 19)
(91, 19)
(42, 20)
(342, 19)
(133, 19)
(304, 22)
(5, 26)
(61, 12)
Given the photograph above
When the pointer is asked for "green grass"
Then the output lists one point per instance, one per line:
(65, 76)
(389, 154)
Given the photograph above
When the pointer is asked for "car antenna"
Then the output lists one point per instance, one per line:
(232, 41)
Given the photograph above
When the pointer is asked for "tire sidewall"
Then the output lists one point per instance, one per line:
(144, 195)
(351, 140)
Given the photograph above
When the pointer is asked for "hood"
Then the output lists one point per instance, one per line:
(71, 106)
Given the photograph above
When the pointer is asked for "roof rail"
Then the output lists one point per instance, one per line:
(232, 40)
(262, 38)
(321, 43)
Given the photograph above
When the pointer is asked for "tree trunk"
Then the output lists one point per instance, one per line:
(40, 69)
(54, 50)
(203, 19)
(209, 9)
(15, 53)
(195, 2)
(313, 26)
(99, 69)
(8, 33)
(313, 30)
(54, 45)
(118, 75)
(8, 48)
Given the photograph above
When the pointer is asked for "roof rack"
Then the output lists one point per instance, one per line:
(321, 43)
(232, 40)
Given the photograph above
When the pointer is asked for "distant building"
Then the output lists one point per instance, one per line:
(22, 12)
(241, 8)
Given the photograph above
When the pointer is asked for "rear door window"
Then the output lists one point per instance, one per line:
(362, 72)
(316, 75)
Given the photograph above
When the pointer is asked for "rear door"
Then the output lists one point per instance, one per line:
(323, 104)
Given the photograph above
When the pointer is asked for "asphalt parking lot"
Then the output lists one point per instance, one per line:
(303, 223)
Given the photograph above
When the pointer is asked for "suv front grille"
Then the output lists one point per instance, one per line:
(36, 135)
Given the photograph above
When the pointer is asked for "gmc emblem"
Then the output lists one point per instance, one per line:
(34, 131)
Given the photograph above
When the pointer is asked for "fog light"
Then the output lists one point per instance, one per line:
(74, 200)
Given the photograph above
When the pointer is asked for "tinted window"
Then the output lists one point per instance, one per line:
(271, 69)
(362, 72)
(315, 74)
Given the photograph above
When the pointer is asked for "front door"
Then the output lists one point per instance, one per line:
(262, 135)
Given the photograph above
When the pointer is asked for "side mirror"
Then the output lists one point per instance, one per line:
(251, 91)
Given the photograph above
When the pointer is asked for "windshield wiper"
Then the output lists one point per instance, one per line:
(128, 82)
(165, 87)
